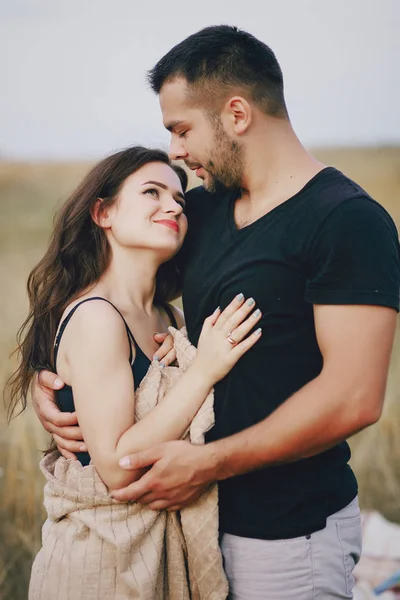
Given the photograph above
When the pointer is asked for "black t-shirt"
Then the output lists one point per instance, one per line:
(329, 244)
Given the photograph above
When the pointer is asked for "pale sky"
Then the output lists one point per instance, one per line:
(72, 72)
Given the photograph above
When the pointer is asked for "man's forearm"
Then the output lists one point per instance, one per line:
(314, 419)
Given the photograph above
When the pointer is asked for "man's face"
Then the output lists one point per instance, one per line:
(200, 140)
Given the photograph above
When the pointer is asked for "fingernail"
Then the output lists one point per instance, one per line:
(216, 310)
(125, 462)
(156, 358)
(239, 297)
(257, 313)
(58, 383)
(82, 448)
(156, 333)
(250, 302)
(258, 331)
(162, 365)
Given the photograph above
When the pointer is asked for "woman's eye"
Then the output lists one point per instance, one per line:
(182, 135)
(181, 203)
(152, 192)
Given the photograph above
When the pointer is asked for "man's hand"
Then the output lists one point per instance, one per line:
(166, 353)
(63, 426)
(179, 473)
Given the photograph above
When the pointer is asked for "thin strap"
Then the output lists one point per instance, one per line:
(68, 318)
(171, 315)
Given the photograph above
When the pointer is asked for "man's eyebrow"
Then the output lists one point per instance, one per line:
(173, 124)
(164, 187)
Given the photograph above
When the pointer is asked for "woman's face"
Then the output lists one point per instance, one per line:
(149, 211)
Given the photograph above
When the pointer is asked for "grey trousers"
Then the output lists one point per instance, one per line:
(316, 567)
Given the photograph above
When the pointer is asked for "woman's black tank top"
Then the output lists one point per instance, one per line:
(140, 365)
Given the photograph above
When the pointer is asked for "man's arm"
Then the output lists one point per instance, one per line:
(356, 344)
(347, 396)
(63, 425)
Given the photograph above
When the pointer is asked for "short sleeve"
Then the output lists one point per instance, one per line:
(355, 257)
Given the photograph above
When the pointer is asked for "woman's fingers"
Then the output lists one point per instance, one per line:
(237, 318)
(244, 328)
(247, 343)
(166, 346)
(230, 310)
(169, 358)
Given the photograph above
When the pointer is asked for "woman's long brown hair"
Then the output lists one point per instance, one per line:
(77, 256)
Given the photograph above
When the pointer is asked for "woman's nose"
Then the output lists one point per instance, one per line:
(171, 206)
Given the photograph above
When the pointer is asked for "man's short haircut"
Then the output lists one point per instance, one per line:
(219, 60)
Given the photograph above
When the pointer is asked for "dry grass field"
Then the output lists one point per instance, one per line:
(29, 194)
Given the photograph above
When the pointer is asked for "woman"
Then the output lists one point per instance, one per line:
(98, 295)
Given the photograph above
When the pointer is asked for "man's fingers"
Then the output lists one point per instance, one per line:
(56, 418)
(146, 458)
(159, 505)
(73, 446)
(67, 454)
(148, 498)
(135, 490)
(47, 379)
(69, 432)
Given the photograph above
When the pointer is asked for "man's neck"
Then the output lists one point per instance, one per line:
(277, 168)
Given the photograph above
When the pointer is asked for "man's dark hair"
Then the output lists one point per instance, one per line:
(218, 59)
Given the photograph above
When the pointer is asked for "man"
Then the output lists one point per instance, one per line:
(321, 258)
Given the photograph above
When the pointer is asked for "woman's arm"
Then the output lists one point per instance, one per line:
(96, 350)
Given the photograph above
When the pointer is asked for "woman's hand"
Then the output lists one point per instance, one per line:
(166, 353)
(224, 338)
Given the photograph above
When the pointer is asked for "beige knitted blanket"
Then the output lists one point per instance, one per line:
(95, 548)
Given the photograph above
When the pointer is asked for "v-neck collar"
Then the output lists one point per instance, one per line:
(271, 213)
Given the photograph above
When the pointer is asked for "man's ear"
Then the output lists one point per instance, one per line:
(237, 115)
(101, 215)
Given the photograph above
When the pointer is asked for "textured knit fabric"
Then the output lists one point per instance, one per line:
(95, 548)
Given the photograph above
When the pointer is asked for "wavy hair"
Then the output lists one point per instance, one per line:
(77, 255)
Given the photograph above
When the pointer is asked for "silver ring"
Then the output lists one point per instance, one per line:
(231, 340)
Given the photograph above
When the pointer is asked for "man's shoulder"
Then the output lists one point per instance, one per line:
(337, 194)
(333, 187)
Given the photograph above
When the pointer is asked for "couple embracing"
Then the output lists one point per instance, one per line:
(289, 274)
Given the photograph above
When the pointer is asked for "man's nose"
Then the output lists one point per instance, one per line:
(176, 149)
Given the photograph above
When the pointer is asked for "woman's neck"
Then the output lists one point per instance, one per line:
(130, 280)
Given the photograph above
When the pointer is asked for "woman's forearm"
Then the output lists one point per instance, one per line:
(171, 417)
(167, 421)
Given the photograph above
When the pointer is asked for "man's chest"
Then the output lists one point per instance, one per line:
(256, 263)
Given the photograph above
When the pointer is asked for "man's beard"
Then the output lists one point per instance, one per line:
(226, 163)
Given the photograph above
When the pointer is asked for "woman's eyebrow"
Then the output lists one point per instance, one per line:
(164, 187)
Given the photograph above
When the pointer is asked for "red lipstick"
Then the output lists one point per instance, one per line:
(168, 223)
